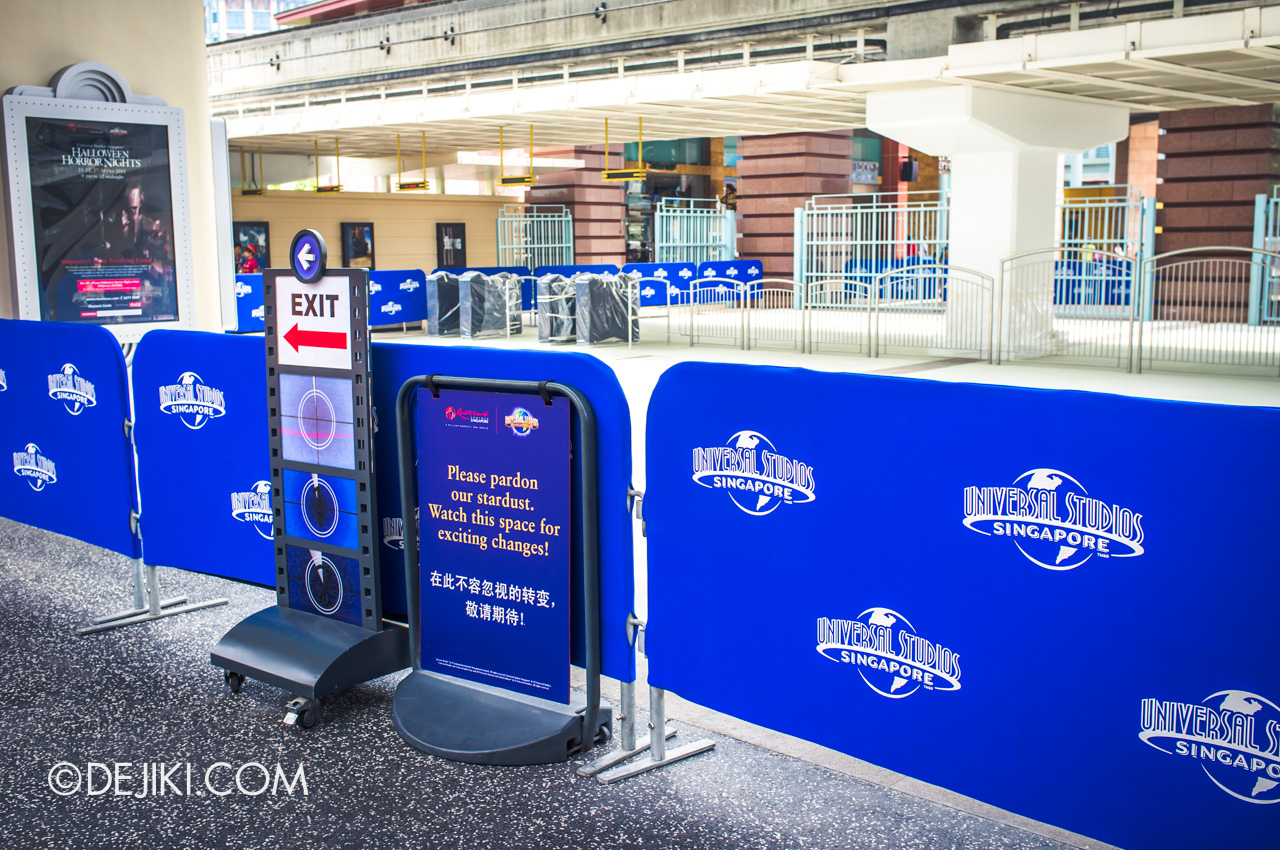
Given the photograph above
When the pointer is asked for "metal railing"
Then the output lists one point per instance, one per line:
(934, 309)
(693, 230)
(535, 236)
(927, 309)
(1069, 305)
(1201, 301)
(859, 237)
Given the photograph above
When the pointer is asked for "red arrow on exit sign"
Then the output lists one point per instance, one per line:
(315, 339)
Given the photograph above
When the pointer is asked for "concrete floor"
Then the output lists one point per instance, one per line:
(147, 694)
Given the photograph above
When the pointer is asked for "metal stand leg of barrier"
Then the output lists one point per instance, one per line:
(659, 755)
(148, 606)
(628, 746)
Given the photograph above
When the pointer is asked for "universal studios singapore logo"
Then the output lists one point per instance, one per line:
(1053, 520)
(193, 400)
(1224, 734)
(35, 467)
(755, 475)
(254, 507)
(73, 391)
(888, 654)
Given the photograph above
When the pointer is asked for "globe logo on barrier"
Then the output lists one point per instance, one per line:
(254, 507)
(194, 401)
(35, 467)
(1053, 520)
(393, 532)
(521, 422)
(756, 476)
(1234, 737)
(409, 285)
(3, 383)
(73, 391)
(888, 654)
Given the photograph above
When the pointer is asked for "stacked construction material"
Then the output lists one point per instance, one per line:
(489, 305)
(556, 301)
(607, 308)
(442, 304)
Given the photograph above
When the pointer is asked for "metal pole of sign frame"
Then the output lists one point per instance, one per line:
(587, 470)
(147, 604)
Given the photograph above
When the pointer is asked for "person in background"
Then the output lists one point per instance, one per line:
(249, 262)
(730, 197)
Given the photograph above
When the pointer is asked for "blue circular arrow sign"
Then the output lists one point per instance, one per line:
(308, 256)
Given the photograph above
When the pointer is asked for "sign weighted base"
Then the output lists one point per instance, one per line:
(309, 655)
(478, 724)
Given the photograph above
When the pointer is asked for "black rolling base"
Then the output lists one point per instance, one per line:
(308, 655)
(469, 722)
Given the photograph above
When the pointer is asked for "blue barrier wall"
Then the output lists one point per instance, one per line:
(204, 458)
(68, 463)
(395, 363)
(397, 296)
(249, 301)
(743, 271)
(675, 275)
(1060, 603)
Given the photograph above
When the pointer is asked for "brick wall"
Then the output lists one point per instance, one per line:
(597, 207)
(777, 174)
(1215, 161)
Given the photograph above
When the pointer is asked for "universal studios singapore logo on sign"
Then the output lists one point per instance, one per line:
(757, 478)
(1053, 520)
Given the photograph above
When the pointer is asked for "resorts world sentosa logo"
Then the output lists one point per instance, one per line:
(194, 401)
(35, 467)
(73, 391)
(1234, 736)
(254, 507)
(755, 475)
(888, 654)
(1053, 520)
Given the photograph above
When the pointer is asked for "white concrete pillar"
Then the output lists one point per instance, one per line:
(1004, 187)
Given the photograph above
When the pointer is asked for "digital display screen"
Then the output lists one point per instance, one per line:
(317, 425)
(102, 210)
(320, 508)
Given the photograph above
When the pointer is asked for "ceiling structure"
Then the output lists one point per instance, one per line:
(1223, 59)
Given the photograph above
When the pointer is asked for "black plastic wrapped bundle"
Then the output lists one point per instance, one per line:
(488, 305)
(556, 297)
(442, 304)
(605, 302)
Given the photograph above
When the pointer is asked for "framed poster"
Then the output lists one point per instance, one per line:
(451, 245)
(96, 196)
(252, 246)
(357, 245)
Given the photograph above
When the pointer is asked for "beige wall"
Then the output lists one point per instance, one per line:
(404, 224)
(158, 47)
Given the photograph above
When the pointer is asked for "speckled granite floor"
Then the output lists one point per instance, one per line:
(147, 694)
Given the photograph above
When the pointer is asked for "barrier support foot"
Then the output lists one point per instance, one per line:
(659, 755)
(147, 606)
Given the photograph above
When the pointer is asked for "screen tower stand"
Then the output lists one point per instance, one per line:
(325, 632)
